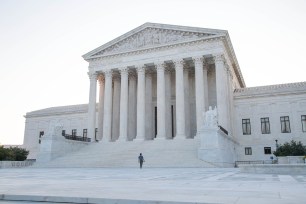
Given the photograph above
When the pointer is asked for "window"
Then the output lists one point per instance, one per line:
(41, 133)
(74, 132)
(285, 124)
(248, 151)
(303, 119)
(84, 132)
(267, 150)
(265, 125)
(63, 132)
(246, 126)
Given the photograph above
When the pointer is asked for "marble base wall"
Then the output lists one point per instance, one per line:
(216, 148)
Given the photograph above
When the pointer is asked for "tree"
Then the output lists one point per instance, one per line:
(291, 149)
(13, 154)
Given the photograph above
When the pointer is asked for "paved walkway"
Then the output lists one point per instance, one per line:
(192, 185)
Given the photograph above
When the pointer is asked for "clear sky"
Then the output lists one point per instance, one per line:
(41, 43)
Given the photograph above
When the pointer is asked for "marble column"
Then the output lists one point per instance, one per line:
(168, 103)
(161, 102)
(205, 80)
(199, 91)
(124, 104)
(187, 102)
(132, 111)
(221, 90)
(149, 107)
(92, 105)
(180, 99)
(107, 119)
(100, 107)
(116, 107)
(141, 101)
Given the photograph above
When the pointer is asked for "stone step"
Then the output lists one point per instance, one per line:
(157, 153)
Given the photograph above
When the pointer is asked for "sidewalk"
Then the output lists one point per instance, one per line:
(132, 185)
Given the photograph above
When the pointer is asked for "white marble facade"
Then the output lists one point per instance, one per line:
(156, 81)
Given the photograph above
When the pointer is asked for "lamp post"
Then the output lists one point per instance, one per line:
(276, 145)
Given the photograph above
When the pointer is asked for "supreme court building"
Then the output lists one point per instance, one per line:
(166, 87)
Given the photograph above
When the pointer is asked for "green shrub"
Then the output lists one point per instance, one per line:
(13, 154)
(291, 149)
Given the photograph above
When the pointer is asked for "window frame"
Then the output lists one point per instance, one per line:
(265, 125)
(247, 123)
(285, 124)
(268, 148)
(85, 133)
(248, 150)
(303, 121)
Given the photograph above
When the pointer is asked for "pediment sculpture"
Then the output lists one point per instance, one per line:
(151, 37)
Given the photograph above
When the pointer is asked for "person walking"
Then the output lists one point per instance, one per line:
(140, 160)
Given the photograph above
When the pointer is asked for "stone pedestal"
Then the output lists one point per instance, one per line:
(51, 144)
(216, 147)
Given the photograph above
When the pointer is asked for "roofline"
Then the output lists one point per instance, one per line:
(153, 25)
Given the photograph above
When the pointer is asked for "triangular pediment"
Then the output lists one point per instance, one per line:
(152, 35)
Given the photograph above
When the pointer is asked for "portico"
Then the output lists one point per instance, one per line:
(164, 106)
(156, 82)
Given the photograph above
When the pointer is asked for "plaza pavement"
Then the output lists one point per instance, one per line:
(149, 185)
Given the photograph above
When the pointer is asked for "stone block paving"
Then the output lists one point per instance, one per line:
(172, 185)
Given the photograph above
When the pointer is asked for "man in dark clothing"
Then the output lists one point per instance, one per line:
(140, 160)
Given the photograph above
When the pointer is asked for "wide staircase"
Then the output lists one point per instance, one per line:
(157, 153)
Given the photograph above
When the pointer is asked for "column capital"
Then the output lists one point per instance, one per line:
(198, 60)
(141, 69)
(108, 73)
(178, 63)
(160, 65)
(124, 70)
(219, 58)
(92, 75)
(101, 79)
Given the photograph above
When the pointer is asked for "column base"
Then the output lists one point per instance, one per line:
(179, 137)
(160, 137)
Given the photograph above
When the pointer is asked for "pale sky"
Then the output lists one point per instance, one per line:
(41, 43)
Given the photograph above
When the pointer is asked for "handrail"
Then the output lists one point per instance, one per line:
(256, 162)
(77, 138)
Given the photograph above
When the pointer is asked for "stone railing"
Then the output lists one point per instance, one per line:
(291, 160)
(16, 164)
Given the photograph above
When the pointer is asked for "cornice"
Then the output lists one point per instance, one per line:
(271, 90)
(154, 26)
(156, 48)
(60, 110)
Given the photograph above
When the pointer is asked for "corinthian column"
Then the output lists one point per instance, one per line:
(149, 107)
(187, 102)
(101, 106)
(107, 123)
(180, 99)
(161, 102)
(124, 104)
(132, 111)
(199, 87)
(141, 101)
(116, 107)
(221, 89)
(92, 106)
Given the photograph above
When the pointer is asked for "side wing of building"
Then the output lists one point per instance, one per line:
(268, 116)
